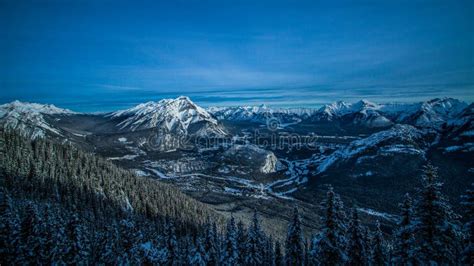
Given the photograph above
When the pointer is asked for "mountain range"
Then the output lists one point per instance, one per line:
(259, 157)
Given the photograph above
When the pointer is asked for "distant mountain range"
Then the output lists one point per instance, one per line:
(432, 113)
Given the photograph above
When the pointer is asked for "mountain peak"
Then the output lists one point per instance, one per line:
(174, 115)
(183, 98)
(22, 107)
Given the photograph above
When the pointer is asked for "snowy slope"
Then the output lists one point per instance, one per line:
(261, 114)
(398, 139)
(171, 115)
(432, 113)
(29, 118)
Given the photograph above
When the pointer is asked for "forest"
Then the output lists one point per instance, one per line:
(61, 206)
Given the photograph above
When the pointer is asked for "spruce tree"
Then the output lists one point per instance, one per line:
(356, 252)
(254, 255)
(108, 241)
(294, 246)
(468, 203)
(241, 242)
(211, 248)
(379, 254)
(9, 230)
(437, 229)
(268, 251)
(171, 243)
(404, 246)
(31, 236)
(328, 248)
(279, 260)
(78, 247)
(197, 254)
(230, 253)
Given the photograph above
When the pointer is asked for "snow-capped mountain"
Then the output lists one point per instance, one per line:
(433, 113)
(400, 139)
(364, 113)
(31, 118)
(261, 114)
(241, 113)
(180, 116)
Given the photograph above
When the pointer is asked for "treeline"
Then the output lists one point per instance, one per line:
(61, 206)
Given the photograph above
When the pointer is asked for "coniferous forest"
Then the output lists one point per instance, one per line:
(61, 206)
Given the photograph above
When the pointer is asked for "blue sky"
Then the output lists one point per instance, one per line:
(103, 55)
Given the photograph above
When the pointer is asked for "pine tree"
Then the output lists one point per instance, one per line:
(31, 236)
(356, 252)
(404, 246)
(230, 254)
(109, 239)
(437, 229)
(270, 252)
(241, 242)
(468, 203)
(9, 230)
(171, 243)
(328, 248)
(211, 248)
(78, 247)
(379, 254)
(278, 254)
(197, 254)
(56, 243)
(254, 255)
(294, 246)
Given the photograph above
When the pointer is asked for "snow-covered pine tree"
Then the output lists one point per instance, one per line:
(211, 248)
(404, 245)
(254, 255)
(379, 255)
(230, 252)
(78, 251)
(356, 252)
(241, 242)
(367, 238)
(468, 203)
(279, 260)
(9, 230)
(328, 248)
(53, 233)
(31, 236)
(108, 242)
(170, 243)
(294, 246)
(269, 256)
(197, 254)
(437, 230)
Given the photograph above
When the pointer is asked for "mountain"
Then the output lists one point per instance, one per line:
(459, 132)
(400, 139)
(177, 116)
(261, 114)
(432, 113)
(32, 119)
(250, 156)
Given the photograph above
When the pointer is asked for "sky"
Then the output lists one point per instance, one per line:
(107, 55)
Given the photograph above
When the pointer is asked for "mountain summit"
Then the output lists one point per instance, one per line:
(179, 115)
